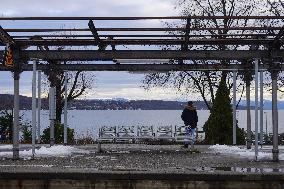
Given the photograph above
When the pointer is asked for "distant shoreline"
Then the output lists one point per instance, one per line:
(6, 102)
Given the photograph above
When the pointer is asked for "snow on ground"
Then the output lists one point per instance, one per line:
(242, 152)
(57, 150)
(270, 147)
(6, 146)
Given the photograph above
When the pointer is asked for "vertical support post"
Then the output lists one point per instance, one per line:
(261, 107)
(39, 106)
(275, 150)
(248, 114)
(52, 114)
(16, 154)
(234, 108)
(256, 109)
(34, 108)
(99, 147)
(65, 109)
(184, 46)
(266, 124)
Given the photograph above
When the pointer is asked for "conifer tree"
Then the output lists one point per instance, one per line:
(219, 126)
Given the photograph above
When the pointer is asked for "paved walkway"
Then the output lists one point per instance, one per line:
(144, 158)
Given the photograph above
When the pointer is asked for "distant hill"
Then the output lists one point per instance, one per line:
(267, 104)
(6, 102)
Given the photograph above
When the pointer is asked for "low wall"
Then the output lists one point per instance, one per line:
(127, 180)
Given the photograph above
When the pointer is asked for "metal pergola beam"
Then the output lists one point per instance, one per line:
(92, 55)
(5, 38)
(140, 67)
(143, 18)
(278, 39)
(92, 42)
(143, 36)
(186, 35)
(95, 34)
(138, 29)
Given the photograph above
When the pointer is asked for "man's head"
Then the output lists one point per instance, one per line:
(190, 103)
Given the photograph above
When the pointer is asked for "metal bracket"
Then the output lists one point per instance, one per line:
(96, 35)
(184, 47)
(276, 43)
(186, 36)
(5, 38)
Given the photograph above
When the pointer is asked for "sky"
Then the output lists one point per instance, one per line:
(107, 85)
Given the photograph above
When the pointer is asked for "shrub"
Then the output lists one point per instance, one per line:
(26, 133)
(84, 139)
(6, 125)
(58, 134)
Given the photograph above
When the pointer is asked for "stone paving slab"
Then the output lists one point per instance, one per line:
(144, 159)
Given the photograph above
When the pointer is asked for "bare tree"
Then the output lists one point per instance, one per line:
(206, 82)
(276, 8)
(78, 82)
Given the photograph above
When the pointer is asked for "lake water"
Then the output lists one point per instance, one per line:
(90, 121)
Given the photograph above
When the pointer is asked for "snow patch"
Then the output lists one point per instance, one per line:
(6, 146)
(53, 151)
(11, 165)
(242, 152)
(102, 157)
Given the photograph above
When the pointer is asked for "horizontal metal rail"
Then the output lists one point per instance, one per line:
(92, 55)
(137, 29)
(141, 68)
(128, 36)
(143, 18)
(90, 42)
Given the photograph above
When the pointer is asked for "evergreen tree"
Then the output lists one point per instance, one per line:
(219, 126)
(6, 127)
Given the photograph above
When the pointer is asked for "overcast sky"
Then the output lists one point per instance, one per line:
(107, 84)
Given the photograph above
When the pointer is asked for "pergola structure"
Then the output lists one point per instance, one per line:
(259, 49)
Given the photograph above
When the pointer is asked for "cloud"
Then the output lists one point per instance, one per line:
(134, 93)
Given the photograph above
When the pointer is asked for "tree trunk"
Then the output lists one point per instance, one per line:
(55, 81)
(58, 102)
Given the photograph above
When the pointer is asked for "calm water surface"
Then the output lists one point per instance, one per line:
(84, 121)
